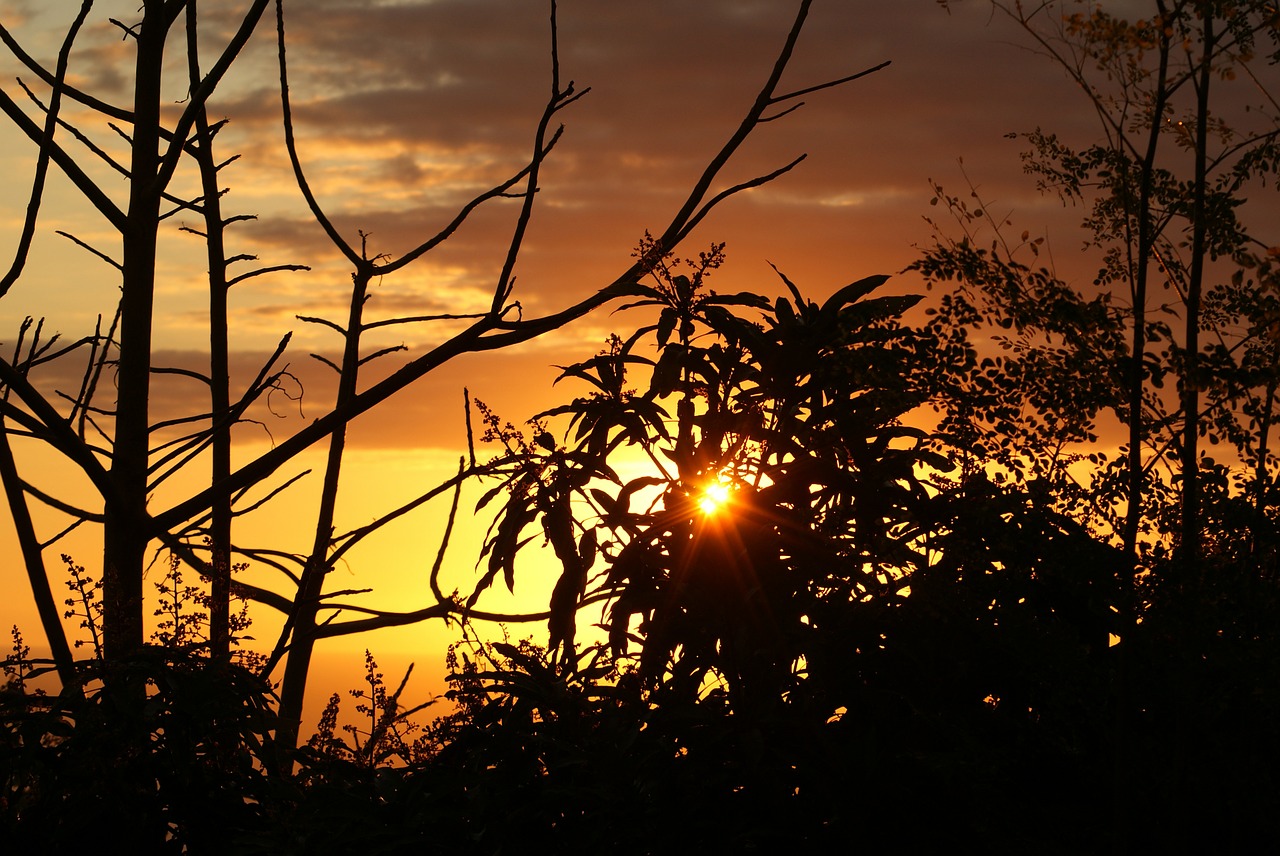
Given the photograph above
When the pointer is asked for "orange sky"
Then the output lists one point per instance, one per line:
(405, 109)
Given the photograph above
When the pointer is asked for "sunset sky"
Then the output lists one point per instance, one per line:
(407, 108)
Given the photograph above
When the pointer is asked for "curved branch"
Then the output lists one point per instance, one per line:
(269, 598)
(45, 154)
(497, 192)
(66, 163)
(53, 502)
(264, 270)
(57, 433)
(291, 146)
(670, 237)
(378, 619)
(558, 100)
(731, 191)
(434, 578)
(422, 319)
(476, 337)
(51, 80)
(829, 84)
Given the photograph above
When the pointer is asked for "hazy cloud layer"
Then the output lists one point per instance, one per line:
(406, 110)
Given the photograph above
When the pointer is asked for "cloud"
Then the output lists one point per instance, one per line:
(406, 110)
(462, 82)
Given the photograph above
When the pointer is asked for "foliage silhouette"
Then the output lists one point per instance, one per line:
(137, 705)
(906, 623)
(1173, 340)
(73, 770)
(796, 419)
(849, 607)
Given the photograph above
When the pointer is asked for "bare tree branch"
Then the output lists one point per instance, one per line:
(51, 150)
(291, 146)
(33, 560)
(196, 102)
(106, 258)
(46, 151)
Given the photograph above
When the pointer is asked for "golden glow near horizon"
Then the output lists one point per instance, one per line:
(393, 145)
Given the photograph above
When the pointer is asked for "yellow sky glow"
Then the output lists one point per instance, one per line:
(404, 112)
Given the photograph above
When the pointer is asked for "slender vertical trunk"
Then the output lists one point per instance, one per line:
(311, 585)
(219, 369)
(220, 408)
(125, 533)
(1260, 539)
(1260, 476)
(1127, 596)
(1190, 552)
(124, 537)
(33, 559)
(1187, 564)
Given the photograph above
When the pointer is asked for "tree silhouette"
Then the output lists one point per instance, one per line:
(1184, 294)
(794, 419)
(853, 619)
(852, 571)
(126, 452)
(1096, 611)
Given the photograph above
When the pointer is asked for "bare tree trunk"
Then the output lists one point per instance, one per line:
(156, 152)
(33, 559)
(302, 622)
(124, 536)
(219, 368)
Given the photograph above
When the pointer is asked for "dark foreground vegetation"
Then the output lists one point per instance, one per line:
(867, 642)
(994, 571)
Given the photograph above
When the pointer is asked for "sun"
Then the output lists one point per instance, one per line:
(713, 498)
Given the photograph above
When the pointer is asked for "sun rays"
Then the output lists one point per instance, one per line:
(714, 498)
